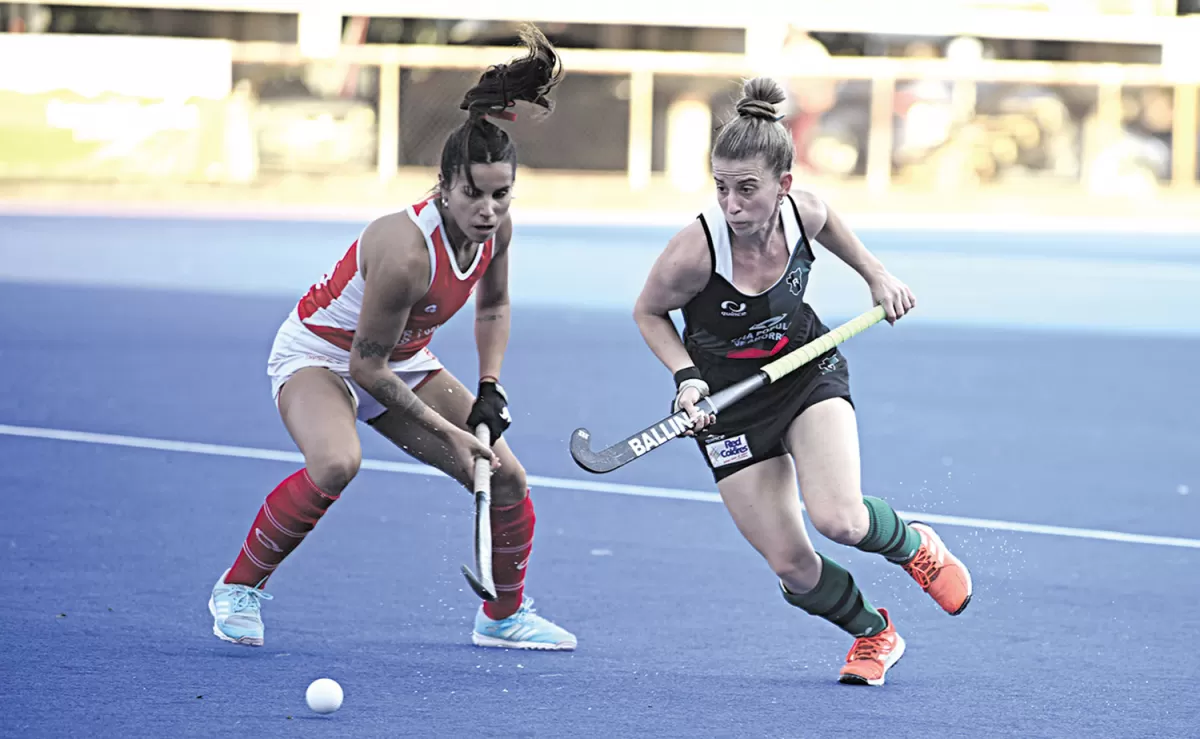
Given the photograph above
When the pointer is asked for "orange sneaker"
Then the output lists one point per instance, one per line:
(939, 572)
(870, 658)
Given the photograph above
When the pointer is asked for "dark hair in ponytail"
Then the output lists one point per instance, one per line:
(529, 78)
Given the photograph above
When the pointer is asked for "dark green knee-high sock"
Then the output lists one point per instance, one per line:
(888, 534)
(838, 600)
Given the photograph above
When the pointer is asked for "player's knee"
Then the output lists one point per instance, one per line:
(843, 524)
(799, 569)
(332, 470)
(509, 484)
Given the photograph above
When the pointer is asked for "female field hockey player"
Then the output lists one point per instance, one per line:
(355, 348)
(739, 274)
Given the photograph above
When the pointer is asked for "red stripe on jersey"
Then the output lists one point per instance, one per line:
(324, 293)
(758, 353)
(339, 337)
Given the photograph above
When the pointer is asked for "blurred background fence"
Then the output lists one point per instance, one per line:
(1076, 100)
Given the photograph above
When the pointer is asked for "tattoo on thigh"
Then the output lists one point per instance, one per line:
(368, 349)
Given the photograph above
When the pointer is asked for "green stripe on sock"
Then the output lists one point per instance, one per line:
(837, 599)
(888, 534)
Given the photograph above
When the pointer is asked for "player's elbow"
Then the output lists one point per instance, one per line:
(640, 312)
(492, 302)
(639, 318)
(645, 315)
(364, 371)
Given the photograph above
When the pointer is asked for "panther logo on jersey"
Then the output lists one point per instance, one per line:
(795, 280)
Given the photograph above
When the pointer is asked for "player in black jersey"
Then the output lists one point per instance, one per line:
(739, 274)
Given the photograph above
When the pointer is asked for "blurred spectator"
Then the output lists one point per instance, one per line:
(810, 97)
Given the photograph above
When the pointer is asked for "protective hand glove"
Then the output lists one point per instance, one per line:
(490, 408)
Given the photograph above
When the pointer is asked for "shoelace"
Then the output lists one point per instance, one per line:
(526, 608)
(247, 599)
(871, 648)
(923, 568)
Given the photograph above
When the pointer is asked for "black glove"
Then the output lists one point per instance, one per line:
(491, 408)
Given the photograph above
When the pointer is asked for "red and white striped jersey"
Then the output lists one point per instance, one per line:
(331, 307)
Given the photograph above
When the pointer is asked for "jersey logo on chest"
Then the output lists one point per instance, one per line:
(730, 309)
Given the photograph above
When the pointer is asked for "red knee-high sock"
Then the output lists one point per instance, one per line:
(512, 541)
(288, 514)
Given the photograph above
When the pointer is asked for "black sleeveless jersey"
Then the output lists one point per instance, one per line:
(729, 334)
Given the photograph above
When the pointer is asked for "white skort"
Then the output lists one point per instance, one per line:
(296, 347)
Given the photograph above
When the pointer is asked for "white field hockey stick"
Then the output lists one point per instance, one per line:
(483, 585)
(654, 436)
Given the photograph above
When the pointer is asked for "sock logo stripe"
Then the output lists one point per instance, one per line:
(257, 562)
(266, 541)
(284, 519)
(840, 607)
(897, 535)
(872, 522)
(837, 599)
(845, 619)
(275, 522)
(319, 491)
(519, 549)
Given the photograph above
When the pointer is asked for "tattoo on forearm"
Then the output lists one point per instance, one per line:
(395, 395)
(368, 349)
(485, 317)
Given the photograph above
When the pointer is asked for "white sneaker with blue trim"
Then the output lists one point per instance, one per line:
(522, 630)
(236, 612)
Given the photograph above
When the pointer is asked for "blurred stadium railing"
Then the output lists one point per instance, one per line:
(136, 108)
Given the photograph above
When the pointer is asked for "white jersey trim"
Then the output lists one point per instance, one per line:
(429, 220)
(718, 230)
(454, 260)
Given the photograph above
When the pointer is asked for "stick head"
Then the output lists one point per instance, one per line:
(606, 460)
(483, 591)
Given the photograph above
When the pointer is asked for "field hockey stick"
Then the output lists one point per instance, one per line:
(654, 436)
(483, 585)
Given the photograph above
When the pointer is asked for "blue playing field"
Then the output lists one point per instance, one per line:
(139, 440)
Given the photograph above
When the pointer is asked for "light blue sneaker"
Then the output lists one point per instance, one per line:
(235, 611)
(522, 630)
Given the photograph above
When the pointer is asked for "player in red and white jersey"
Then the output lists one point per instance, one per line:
(355, 348)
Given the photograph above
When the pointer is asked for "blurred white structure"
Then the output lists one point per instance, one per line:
(1142, 22)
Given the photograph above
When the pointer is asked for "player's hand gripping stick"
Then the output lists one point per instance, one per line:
(654, 436)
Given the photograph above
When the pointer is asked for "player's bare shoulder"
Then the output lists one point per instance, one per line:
(681, 272)
(813, 211)
(394, 244)
(686, 261)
